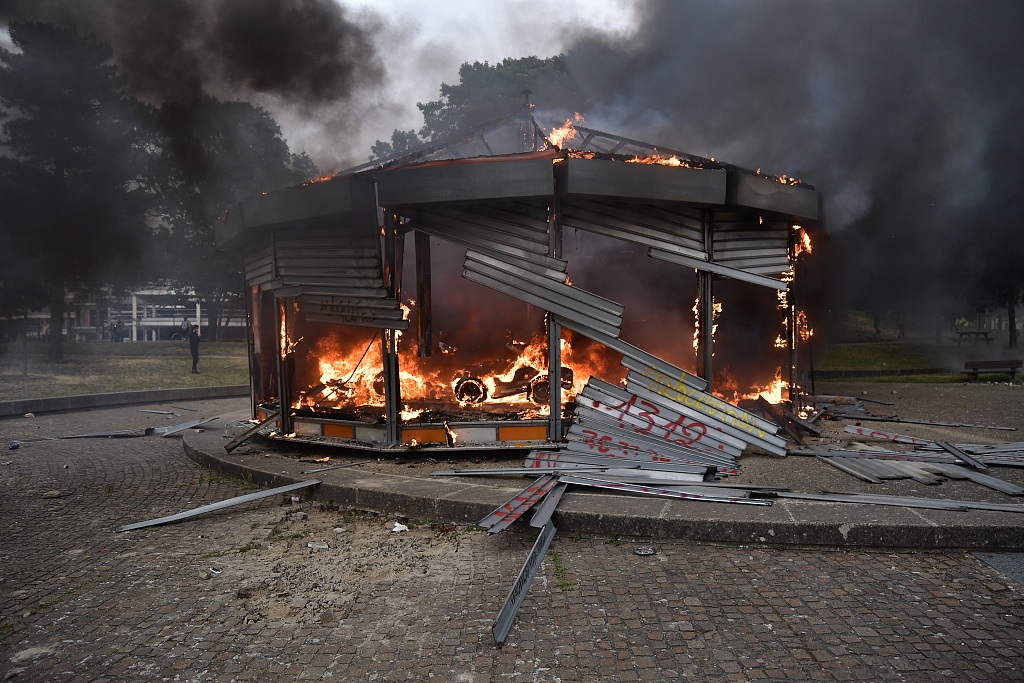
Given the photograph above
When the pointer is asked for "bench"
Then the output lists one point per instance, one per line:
(973, 368)
(973, 335)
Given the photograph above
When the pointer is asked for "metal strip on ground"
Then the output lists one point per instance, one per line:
(656, 491)
(514, 508)
(521, 585)
(212, 507)
(243, 437)
(547, 508)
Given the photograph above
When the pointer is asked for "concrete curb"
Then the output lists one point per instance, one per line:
(120, 398)
(462, 500)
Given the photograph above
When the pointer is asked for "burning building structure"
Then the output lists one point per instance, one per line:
(422, 301)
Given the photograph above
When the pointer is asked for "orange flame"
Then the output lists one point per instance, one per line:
(803, 242)
(559, 136)
(658, 159)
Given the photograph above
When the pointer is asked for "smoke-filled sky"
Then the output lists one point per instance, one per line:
(906, 114)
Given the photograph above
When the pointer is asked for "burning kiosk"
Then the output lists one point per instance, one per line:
(420, 303)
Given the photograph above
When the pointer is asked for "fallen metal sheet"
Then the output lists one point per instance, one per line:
(508, 286)
(581, 441)
(170, 430)
(676, 418)
(554, 468)
(909, 501)
(647, 478)
(950, 448)
(715, 412)
(658, 491)
(168, 413)
(709, 492)
(221, 505)
(985, 480)
(915, 472)
(660, 424)
(661, 367)
(521, 585)
(614, 343)
(513, 509)
(335, 467)
(881, 455)
(542, 515)
(550, 295)
(593, 434)
(885, 436)
(920, 421)
(703, 401)
(898, 501)
(593, 428)
(618, 462)
(849, 468)
(557, 284)
(244, 436)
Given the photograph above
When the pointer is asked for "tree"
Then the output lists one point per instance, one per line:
(215, 154)
(488, 92)
(73, 195)
(402, 141)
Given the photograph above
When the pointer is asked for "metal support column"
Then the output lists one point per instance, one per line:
(284, 367)
(793, 334)
(393, 246)
(706, 309)
(555, 330)
(424, 317)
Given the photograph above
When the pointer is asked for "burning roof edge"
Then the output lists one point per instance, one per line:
(525, 174)
(308, 203)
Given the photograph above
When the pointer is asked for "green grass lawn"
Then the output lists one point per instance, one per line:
(101, 367)
(877, 356)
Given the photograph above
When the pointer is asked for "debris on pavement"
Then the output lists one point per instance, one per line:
(221, 505)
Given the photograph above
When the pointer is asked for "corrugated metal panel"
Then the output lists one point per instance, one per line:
(550, 294)
(676, 232)
(752, 247)
(730, 419)
(725, 271)
(684, 431)
(337, 278)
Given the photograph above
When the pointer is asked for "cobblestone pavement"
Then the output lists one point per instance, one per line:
(80, 602)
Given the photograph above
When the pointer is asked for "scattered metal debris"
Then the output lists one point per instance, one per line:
(335, 467)
(513, 509)
(238, 500)
(171, 430)
(521, 585)
(244, 436)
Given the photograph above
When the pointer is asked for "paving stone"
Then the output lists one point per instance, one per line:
(79, 601)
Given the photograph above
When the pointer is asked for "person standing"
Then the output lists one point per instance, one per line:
(186, 327)
(193, 346)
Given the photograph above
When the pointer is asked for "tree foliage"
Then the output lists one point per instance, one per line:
(215, 154)
(402, 141)
(73, 195)
(487, 92)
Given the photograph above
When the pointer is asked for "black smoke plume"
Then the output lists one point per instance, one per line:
(307, 52)
(906, 115)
